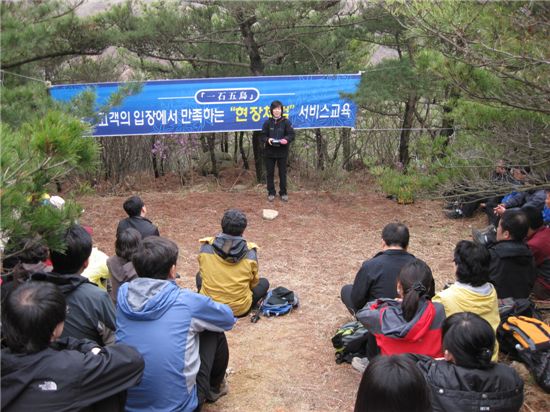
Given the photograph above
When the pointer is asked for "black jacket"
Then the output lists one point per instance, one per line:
(454, 388)
(377, 277)
(277, 129)
(67, 376)
(90, 311)
(512, 269)
(141, 224)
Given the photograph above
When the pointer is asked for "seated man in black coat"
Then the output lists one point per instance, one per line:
(136, 210)
(512, 268)
(377, 277)
(42, 373)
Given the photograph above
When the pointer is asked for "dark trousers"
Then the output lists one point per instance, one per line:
(270, 171)
(258, 292)
(489, 206)
(214, 354)
(345, 295)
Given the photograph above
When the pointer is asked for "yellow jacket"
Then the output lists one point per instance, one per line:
(228, 266)
(481, 300)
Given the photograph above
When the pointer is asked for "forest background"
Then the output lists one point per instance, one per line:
(448, 88)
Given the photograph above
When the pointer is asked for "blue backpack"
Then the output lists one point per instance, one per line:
(278, 302)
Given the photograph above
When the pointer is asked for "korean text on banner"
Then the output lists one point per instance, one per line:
(221, 104)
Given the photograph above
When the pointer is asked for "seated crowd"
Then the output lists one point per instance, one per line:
(133, 340)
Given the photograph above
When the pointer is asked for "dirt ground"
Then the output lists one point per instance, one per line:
(315, 245)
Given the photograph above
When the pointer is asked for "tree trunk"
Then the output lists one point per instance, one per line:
(224, 142)
(204, 143)
(320, 142)
(243, 153)
(257, 69)
(447, 124)
(346, 149)
(235, 147)
(258, 156)
(408, 118)
(212, 147)
(156, 170)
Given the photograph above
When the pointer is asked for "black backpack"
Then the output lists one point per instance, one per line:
(349, 341)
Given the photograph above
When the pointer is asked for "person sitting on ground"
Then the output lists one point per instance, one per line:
(472, 291)
(393, 384)
(42, 373)
(178, 332)
(467, 204)
(513, 201)
(512, 269)
(120, 266)
(31, 257)
(532, 197)
(90, 313)
(377, 277)
(97, 271)
(538, 241)
(467, 379)
(412, 325)
(136, 210)
(228, 266)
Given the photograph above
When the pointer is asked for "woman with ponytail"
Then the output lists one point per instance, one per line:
(466, 379)
(411, 325)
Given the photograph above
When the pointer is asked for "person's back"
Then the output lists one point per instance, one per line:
(472, 291)
(228, 266)
(512, 269)
(409, 326)
(377, 277)
(538, 241)
(40, 373)
(91, 313)
(121, 268)
(136, 210)
(467, 379)
(163, 322)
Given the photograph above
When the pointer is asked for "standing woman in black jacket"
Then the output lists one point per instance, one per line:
(277, 134)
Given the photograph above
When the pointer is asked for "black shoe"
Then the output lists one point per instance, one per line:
(485, 236)
(454, 214)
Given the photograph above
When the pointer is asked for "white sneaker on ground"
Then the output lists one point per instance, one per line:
(360, 364)
(284, 198)
(270, 198)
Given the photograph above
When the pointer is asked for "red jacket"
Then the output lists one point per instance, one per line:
(394, 335)
(539, 243)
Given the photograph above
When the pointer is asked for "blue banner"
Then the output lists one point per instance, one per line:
(221, 104)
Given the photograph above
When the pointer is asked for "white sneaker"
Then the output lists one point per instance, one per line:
(360, 364)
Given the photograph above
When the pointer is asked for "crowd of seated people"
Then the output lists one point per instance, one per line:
(145, 344)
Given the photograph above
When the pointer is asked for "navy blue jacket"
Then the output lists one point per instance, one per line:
(141, 224)
(377, 277)
(512, 269)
